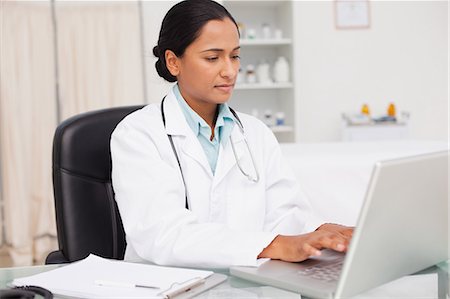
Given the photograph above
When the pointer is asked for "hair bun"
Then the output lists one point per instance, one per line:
(163, 72)
(156, 51)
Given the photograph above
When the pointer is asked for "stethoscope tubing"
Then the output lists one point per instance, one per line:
(254, 179)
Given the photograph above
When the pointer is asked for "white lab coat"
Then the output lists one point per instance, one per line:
(230, 218)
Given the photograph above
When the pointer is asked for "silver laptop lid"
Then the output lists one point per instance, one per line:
(402, 229)
(403, 225)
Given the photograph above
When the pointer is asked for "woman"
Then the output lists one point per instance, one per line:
(196, 183)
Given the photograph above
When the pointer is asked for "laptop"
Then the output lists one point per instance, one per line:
(402, 229)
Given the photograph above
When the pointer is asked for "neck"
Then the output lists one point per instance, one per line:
(207, 111)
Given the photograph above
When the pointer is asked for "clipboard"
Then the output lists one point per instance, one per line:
(131, 280)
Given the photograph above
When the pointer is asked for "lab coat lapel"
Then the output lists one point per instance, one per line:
(193, 149)
(226, 159)
(175, 122)
(176, 125)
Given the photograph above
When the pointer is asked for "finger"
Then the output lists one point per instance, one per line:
(334, 242)
(310, 250)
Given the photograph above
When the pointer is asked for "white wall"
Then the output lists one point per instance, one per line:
(153, 13)
(403, 58)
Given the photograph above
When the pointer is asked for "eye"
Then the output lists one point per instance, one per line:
(211, 58)
(237, 57)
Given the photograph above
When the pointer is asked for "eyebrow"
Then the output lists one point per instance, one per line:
(219, 50)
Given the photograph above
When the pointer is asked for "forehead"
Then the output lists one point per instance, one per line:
(217, 34)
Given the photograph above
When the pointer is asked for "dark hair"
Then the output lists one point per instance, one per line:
(181, 26)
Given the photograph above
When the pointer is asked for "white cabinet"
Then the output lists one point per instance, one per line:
(257, 48)
(375, 132)
(359, 127)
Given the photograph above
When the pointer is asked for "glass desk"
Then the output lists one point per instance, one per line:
(443, 280)
(235, 287)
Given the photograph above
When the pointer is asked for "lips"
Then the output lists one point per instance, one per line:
(225, 87)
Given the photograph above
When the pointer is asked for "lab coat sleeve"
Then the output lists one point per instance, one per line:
(288, 211)
(151, 201)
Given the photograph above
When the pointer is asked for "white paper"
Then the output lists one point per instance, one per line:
(77, 279)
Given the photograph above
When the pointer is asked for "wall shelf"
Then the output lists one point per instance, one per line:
(282, 129)
(266, 46)
(265, 42)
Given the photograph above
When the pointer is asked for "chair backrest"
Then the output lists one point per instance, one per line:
(87, 217)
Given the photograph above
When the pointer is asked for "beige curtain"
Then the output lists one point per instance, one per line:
(27, 122)
(99, 62)
(99, 55)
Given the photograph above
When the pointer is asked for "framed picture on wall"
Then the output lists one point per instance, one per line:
(352, 14)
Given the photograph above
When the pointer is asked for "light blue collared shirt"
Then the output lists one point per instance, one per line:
(224, 126)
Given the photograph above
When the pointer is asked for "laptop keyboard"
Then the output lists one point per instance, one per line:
(327, 272)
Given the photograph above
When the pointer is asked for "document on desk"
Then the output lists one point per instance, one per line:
(96, 277)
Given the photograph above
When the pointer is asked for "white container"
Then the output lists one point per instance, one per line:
(278, 34)
(263, 73)
(250, 75)
(268, 118)
(279, 119)
(266, 31)
(281, 70)
(240, 77)
(251, 33)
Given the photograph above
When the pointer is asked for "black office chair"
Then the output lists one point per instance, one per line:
(87, 217)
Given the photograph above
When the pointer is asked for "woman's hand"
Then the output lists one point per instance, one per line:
(299, 248)
(344, 231)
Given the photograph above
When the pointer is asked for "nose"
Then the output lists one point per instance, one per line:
(230, 68)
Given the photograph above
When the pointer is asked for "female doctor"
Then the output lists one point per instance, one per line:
(196, 183)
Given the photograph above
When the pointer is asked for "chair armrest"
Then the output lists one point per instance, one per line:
(56, 257)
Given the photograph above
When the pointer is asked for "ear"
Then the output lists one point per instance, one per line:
(172, 63)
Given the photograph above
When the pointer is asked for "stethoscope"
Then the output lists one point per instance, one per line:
(250, 177)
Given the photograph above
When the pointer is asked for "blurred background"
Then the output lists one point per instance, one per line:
(314, 71)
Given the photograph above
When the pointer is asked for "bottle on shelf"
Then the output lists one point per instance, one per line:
(251, 33)
(266, 31)
(391, 110)
(279, 119)
(365, 110)
(250, 74)
(240, 77)
(404, 117)
(268, 118)
(281, 70)
(263, 73)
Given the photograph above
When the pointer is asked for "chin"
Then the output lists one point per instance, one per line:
(223, 98)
